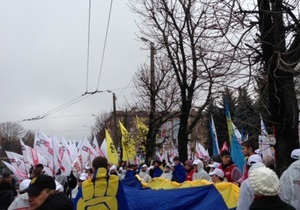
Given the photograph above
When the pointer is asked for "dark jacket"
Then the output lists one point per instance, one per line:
(179, 174)
(57, 201)
(7, 194)
(270, 202)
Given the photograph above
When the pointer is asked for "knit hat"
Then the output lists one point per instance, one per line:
(295, 154)
(189, 163)
(217, 172)
(254, 159)
(264, 182)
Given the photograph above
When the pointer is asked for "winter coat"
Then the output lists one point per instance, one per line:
(231, 172)
(7, 194)
(270, 202)
(21, 202)
(57, 201)
(246, 191)
(290, 185)
(201, 173)
(179, 174)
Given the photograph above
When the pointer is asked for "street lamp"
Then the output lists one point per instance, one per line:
(152, 78)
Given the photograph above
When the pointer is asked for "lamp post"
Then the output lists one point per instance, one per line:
(115, 123)
(151, 138)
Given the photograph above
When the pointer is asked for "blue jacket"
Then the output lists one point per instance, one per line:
(179, 174)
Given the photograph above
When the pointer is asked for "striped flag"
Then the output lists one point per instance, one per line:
(214, 137)
(234, 139)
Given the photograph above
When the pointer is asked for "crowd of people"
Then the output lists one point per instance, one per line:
(100, 185)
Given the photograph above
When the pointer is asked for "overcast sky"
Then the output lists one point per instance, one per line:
(43, 62)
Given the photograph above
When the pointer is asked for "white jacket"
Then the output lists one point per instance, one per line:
(21, 202)
(246, 192)
(290, 185)
(201, 173)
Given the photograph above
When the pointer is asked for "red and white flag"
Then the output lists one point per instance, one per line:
(17, 161)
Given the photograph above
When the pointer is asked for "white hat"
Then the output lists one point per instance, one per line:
(217, 172)
(144, 166)
(264, 182)
(214, 165)
(254, 159)
(295, 154)
(196, 162)
(83, 176)
(24, 184)
(113, 167)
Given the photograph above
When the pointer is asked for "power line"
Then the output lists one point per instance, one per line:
(88, 47)
(105, 41)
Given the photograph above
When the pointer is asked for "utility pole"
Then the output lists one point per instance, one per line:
(115, 136)
(151, 138)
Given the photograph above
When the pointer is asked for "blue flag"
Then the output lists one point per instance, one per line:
(234, 139)
(214, 137)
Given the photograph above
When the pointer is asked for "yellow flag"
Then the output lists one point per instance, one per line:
(111, 150)
(128, 146)
(143, 129)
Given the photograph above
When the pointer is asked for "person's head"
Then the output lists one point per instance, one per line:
(197, 164)
(264, 182)
(217, 175)
(38, 170)
(156, 163)
(225, 157)
(213, 166)
(167, 168)
(144, 168)
(7, 176)
(188, 165)
(269, 161)
(254, 159)
(39, 189)
(176, 160)
(215, 158)
(248, 148)
(99, 162)
(113, 170)
(295, 154)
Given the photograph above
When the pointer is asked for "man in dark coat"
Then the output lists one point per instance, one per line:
(42, 195)
(7, 190)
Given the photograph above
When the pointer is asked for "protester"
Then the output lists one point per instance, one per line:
(217, 176)
(102, 191)
(189, 170)
(81, 179)
(269, 161)
(200, 173)
(231, 171)
(7, 190)
(130, 172)
(113, 171)
(167, 174)
(42, 195)
(179, 174)
(144, 174)
(213, 165)
(156, 171)
(248, 149)
(21, 202)
(246, 192)
(290, 181)
(266, 187)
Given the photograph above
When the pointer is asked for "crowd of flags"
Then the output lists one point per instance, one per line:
(70, 156)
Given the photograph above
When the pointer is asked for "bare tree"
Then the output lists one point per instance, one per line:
(270, 37)
(166, 103)
(191, 35)
(10, 134)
